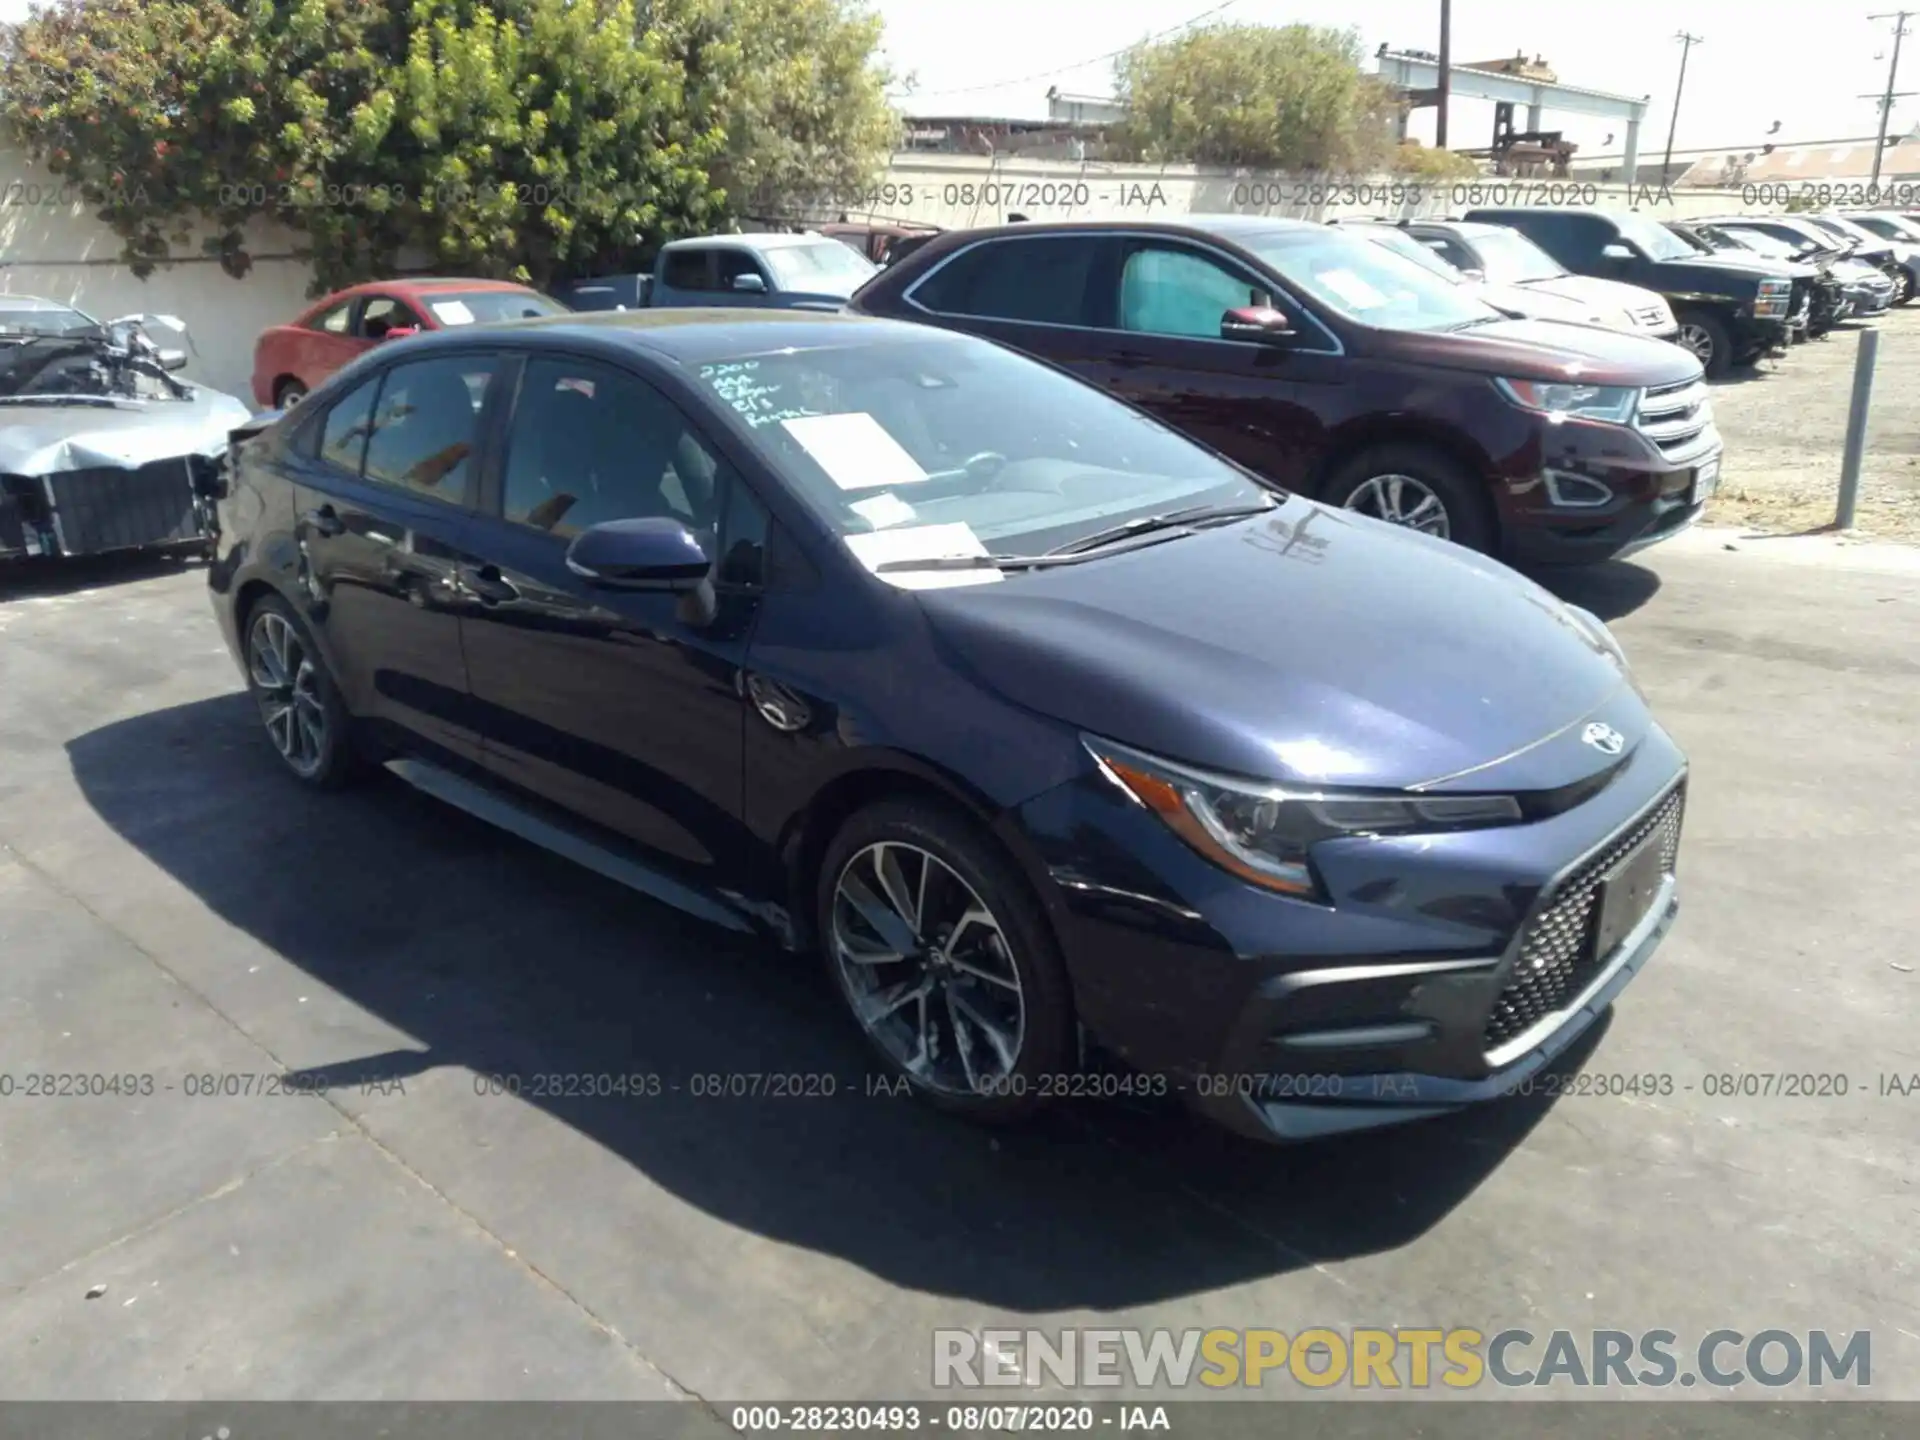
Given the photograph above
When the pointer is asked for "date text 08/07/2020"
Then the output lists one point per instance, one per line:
(1114, 192)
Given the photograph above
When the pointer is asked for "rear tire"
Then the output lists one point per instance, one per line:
(1419, 487)
(945, 960)
(300, 706)
(1705, 335)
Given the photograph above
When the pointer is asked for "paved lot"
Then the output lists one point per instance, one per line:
(1786, 423)
(169, 905)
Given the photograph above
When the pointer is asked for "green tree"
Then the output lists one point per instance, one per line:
(521, 138)
(1290, 98)
(797, 86)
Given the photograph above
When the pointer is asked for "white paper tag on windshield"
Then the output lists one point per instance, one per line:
(855, 450)
(883, 510)
(451, 312)
(1352, 289)
(923, 542)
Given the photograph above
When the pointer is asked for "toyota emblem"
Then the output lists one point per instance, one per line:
(1604, 738)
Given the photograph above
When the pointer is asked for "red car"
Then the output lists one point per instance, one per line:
(289, 360)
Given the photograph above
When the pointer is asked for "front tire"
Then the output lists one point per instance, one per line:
(1704, 335)
(1418, 487)
(1905, 286)
(945, 960)
(299, 704)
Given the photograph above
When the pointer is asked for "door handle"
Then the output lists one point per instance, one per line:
(325, 520)
(488, 585)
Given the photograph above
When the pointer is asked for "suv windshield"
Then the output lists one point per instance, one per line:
(823, 265)
(1889, 227)
(1654, 240)
(1369, 283)
(479, 307)
(1762, 243)
(1509, 258)
(953, 432)
(1401, 243)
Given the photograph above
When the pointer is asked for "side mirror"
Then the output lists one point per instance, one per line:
(1256, 324)
(1474, 273)
(173, 359)
(654, 553)
(1616, 251)
(750, 284)
(400, 332)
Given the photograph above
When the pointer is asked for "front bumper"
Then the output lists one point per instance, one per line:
(1446, 971)
(94, 511)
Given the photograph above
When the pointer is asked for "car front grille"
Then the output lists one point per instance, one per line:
(114, 509)
(1673, 416)
(1651, 317)
(1557, 958)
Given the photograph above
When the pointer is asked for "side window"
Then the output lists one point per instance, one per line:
(343, 440)
(1176, 292)
(334, 321)
(743, 539)
(427, 423)
(590, 443)
(688, 270)
(735, 263)
(1044, 280)
(382, 313)
(1573, 240)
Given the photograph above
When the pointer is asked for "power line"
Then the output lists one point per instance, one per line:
(1065, 69)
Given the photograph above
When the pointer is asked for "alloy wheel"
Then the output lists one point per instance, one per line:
(1695, 339)
(1402, 500)
(928, 970)
(287, 685)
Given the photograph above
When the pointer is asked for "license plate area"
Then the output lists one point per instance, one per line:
(1706, 480)
(1626, 894)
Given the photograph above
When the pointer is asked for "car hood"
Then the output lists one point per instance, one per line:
(1542, 350)
(1532, 302)
(1611, 296)
(1307, 646)
(52, 434)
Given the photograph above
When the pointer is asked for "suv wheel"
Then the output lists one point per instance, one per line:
(1705, 336)
(1418, 487)
(942, 954)
(1904, 287)
(299, 703)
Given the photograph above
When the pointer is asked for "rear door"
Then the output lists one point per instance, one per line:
(689, 276)
(385, 496)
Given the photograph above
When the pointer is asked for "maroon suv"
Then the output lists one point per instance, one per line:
(1345, 371)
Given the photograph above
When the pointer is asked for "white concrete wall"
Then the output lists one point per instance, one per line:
(53, 247)
(60, 251)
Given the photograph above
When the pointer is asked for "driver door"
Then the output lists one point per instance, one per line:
(621, 706)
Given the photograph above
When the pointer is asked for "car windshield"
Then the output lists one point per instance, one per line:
(32, 317)
(1654, 240)
(954, 442)
(1401, 243)
(1849, 230)
(1762, 243)
(1369, 283)
(480, 307)
(1509, 258)
(1889, 227)
(823, 265)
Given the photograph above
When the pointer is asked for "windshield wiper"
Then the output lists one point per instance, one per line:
(1475, 322)
(1171, 520)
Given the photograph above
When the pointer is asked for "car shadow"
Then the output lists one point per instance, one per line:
(498, 958)
(42, 576)
(1611, 590)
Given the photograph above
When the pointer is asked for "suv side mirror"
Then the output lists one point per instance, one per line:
(1616, 251)
(1474, 272)
(652, 553)
(1256, 324)
(750, 284)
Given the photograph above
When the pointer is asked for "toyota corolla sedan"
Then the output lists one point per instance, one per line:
(1038, 722)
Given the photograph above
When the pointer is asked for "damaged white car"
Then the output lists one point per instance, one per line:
(102, 446)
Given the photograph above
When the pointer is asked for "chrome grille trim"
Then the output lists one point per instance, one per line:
(1673, 416)
(1554, 965)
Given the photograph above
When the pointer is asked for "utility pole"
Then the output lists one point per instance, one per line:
(1445, 83)
(1687, 42)
(1899, 18)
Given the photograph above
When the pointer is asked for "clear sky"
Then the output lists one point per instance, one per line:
(1801, 65)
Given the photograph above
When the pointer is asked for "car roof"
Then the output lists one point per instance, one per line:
(758, 240)
(419, 285)
(33, 302)
(696, 336)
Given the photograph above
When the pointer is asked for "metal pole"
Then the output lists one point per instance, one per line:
(1899, 18)
(1687, 42)
(1444, 85)
(1857, 427)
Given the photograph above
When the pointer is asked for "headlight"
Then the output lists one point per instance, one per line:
(1590, 402)
(1262, 832)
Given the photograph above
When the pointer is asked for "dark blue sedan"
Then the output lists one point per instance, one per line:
(1039, 722)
